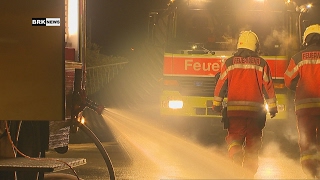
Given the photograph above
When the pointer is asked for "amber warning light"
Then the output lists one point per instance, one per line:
(45, 21)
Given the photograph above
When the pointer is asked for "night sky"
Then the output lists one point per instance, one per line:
(118, 25)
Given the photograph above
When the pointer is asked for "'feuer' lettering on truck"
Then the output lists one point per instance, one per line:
(204, 66)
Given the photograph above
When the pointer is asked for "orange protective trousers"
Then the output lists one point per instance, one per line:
(245, 139)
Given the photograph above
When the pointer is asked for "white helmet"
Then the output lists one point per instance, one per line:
(315, 28)
(248, 40)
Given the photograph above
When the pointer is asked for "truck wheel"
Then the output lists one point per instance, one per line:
(62, 150)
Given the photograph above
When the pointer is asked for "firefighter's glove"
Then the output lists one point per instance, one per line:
(273, 111)
(216, 106)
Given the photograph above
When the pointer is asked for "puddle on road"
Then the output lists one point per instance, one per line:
(158, 154)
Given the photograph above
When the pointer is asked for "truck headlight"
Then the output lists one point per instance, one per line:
(175, 104)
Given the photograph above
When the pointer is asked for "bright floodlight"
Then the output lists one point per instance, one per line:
(175, 104)
(73, 24)
(73, 14)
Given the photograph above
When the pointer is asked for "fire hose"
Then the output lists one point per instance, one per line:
(99, 145)
(81, 101)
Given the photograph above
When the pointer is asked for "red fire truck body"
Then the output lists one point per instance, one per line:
(176, 66)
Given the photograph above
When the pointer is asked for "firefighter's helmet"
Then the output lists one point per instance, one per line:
(248, 40)
(310, 30)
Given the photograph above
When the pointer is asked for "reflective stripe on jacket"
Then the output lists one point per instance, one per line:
(309, 155)
(303, 76)
(248, 84)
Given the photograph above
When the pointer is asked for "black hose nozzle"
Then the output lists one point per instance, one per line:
(94, 106)
(81, 101)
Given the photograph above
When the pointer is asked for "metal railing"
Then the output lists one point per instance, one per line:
(98, 76)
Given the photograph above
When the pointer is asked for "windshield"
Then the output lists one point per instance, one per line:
(218, 31)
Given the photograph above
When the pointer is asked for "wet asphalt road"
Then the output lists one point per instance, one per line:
(144, 146)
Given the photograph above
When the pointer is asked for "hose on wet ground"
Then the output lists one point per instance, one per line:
(99, 145)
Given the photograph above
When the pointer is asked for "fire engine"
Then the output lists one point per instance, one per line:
(197, 36)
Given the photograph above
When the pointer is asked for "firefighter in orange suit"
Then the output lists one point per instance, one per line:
(303, 77)
(245, 80)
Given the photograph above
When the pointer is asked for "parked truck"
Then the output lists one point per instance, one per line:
(42, 52)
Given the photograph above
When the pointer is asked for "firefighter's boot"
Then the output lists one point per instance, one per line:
(309, 167)
(237, 158)
(250, 164)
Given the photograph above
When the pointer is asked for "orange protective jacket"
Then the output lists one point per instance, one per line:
(303, 76)
(246, 78)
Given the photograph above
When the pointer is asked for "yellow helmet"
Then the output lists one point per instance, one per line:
(248, 40)
(315, 28)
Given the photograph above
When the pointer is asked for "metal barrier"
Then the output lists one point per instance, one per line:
(98, 76)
